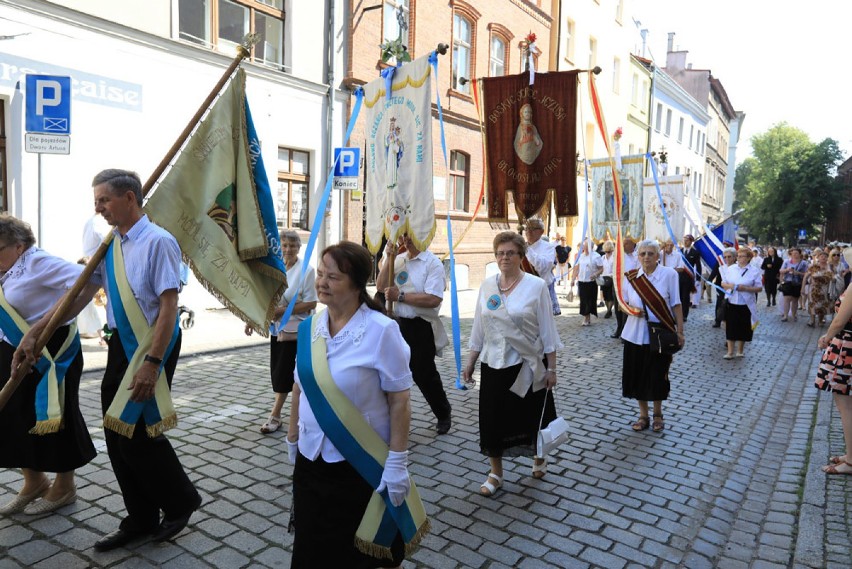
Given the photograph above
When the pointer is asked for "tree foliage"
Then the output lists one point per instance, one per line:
(788, 185)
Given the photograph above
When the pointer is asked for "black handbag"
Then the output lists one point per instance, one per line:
(662, 340)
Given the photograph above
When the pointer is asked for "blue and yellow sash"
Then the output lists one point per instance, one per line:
(136, 337)
(362, 447)
(50, 391)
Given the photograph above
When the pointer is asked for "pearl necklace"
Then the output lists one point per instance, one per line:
(508, 288)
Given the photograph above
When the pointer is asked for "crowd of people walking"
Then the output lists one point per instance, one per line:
(350, 367)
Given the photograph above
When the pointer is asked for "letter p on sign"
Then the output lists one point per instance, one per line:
(48, 104)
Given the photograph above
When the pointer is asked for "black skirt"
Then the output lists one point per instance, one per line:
(63, 451)
(508, 424)
(738, 323)
(282, 363)
(588, 292)
(329, 500)
(608, 290)
(645, 374)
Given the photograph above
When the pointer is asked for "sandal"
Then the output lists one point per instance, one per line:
(271, 425)
(837, 459)
(641, 424)
(728, 357)
(659, 424)
(488, 489)
(539, 469)
(833, 468)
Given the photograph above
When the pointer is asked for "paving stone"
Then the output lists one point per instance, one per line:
(33, 551)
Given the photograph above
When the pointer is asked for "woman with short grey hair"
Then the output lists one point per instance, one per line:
(42, 427)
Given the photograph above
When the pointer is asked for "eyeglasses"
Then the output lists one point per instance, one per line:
(646, 253)
(509, 254)
(834, 255)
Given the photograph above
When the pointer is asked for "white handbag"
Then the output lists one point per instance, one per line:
(549, 438)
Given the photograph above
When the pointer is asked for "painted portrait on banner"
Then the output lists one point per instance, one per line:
(530, 143)
(671, 189)
(399, 196)
(604, 223)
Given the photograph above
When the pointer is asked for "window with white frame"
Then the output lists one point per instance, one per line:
(691, 134)
(462, 41)
(569, 40)
(497, 57)
(593, 53)
(616, 75)
(668, 122)
(680, 130)
(634, 90)
(291, 195)
(658, 120)
(459, 180)
(223, 24)
(395, 18)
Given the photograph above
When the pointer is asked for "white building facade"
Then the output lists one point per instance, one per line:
(140, 69)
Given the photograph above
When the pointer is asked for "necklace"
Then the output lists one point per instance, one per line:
(508, 288)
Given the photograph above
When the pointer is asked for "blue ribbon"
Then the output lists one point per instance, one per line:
(320, 213)
(454, 294)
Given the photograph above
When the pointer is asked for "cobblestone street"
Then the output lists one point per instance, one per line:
(734, 481)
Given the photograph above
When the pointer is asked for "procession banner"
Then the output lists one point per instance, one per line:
(604, 221)
(399, 155)
(217, 202)
(530, 143)
(671, 189)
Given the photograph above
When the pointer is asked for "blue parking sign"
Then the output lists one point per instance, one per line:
(349, 162)
(48, 104)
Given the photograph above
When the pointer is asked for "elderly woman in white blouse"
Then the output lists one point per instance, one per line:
(645, 374)
(742, 281)
(588, 267)
(514, 336)
(42, 427)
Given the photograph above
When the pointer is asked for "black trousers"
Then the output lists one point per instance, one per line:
(620, 319)
(686, 284)
(147, 469)
(417, 333)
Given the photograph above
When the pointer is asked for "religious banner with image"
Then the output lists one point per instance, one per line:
(530, 142)
(671, 188)
(603, 222)
(399, 155)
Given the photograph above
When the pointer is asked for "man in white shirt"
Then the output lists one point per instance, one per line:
(672, 259)
(541, 257)
(418, 290)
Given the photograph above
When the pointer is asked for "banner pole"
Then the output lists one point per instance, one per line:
(64, 304)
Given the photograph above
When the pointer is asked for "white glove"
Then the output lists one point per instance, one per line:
(292, 451)
(395, 477)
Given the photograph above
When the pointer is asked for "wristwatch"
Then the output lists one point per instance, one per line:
(153, 360)
(401, 296)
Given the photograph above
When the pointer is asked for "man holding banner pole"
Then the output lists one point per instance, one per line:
(541, 257)
(141, 276)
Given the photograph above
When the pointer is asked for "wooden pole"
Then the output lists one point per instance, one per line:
(64, 304)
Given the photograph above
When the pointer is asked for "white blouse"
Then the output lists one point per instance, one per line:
(367, 359)
(666, 281)
(588, 266)
(743, 276)
(306, 292)
(529, 307)
(608, 262)
(36, 282)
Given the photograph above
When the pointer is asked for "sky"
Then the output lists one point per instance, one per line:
(778, 60)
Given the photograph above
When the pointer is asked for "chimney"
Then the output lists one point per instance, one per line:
(644, 34)
(670, 47)
(689, 66)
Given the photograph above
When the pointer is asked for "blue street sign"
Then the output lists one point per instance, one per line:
(349, 163)
(802, 234)
(48, 104)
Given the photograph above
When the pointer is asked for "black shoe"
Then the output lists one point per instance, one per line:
(170, 528)
(443, 426)
(118, 538)
(615, 335)
(608, 314)
(717, 325)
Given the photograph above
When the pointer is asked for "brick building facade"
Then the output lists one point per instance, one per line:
(487, 32)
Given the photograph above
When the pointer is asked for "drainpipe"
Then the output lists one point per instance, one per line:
(325, 237)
